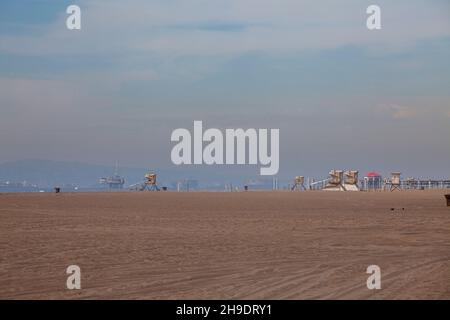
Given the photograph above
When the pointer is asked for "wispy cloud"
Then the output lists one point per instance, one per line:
(399, 112)
(233, 27)
(215, 26)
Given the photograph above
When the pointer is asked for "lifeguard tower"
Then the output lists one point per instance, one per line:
(351, 180)
(395, 183)
(299, 183)
(335, 181)
(150, 182)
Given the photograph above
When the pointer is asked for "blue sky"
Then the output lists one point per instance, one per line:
(342, 96)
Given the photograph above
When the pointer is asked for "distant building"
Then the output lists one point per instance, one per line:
(114, 182)
(373, 181)
(24, 186)
(186, 185)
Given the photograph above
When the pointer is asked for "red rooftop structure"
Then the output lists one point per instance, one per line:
(373, 181)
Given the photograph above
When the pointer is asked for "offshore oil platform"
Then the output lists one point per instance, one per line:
(114, 182)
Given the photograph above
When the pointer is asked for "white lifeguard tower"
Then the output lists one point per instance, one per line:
(335, 182)
(351, 180)
(395, 183)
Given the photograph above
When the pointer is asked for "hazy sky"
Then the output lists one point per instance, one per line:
(341, 95)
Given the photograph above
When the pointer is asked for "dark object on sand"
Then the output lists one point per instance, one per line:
(164, 188)
(246, 188)
(447, 196)
(57, 190)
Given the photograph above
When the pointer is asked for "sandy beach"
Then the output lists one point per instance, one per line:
(246, 245)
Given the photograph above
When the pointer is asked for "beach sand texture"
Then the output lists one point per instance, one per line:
(241, 245)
